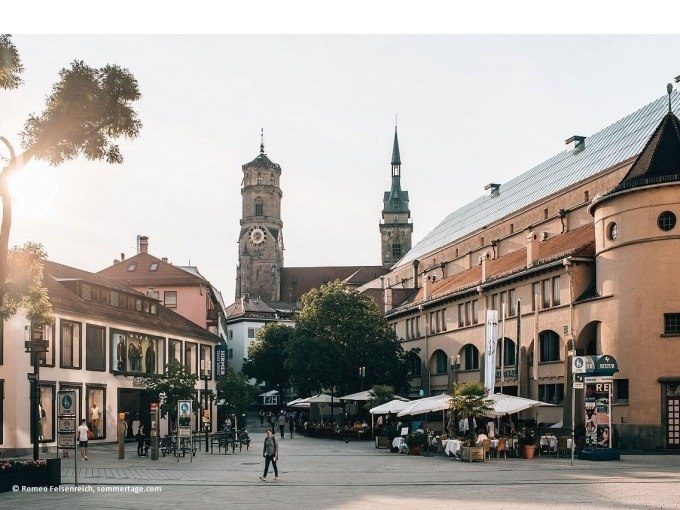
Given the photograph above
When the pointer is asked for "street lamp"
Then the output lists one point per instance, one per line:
(362, 375)
(33, 347)
(206, 373)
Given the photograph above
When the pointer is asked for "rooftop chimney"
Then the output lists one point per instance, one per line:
(427, 287)
(532, 248)
(576, 142)
(164, 259)
(482, 260)
(142, 244)
(387, 298)
(122, 256)
(416, 283)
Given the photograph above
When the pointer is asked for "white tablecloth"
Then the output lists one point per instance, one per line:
(550, 441)
(452, 446)
(399, 442)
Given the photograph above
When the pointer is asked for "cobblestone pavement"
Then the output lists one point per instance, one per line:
(322, 473)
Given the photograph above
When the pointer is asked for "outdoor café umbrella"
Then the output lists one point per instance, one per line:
(391, 407)
(427, 405)
(509, 404)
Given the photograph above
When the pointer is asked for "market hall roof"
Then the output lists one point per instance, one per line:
(600, 151)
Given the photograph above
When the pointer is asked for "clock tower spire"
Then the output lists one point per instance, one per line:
(260, 243)
(396, 226)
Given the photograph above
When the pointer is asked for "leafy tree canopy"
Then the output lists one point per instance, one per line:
(339, 331)
(380, 394)
(24, 285)
(235, 390)
(266, 356)
(10, 63)
(178, 383)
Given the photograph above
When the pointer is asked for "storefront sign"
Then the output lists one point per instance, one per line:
(220, 360)
(139, 382)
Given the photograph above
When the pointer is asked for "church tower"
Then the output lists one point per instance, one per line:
(396, 227)
(260, 243)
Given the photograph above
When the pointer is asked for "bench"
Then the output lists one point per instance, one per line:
(222, 440)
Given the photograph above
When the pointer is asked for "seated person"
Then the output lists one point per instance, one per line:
(481, 436)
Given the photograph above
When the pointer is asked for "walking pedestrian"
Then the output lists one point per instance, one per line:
(270, 453)
(282, 424)
(291, 425)
(82, 438)
(261, 418)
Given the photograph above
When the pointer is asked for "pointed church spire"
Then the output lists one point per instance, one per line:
(262, 141)
(396, 158)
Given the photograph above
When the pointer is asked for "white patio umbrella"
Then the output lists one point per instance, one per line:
(391, 407)
(427, 405)
(509, 404)
(362, 395)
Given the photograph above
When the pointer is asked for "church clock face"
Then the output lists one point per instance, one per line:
(257, 235)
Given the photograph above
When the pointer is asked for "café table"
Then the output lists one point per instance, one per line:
(550, 442)
(399, 443)
(452, 446)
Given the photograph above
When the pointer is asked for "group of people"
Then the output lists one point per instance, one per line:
(291, 420)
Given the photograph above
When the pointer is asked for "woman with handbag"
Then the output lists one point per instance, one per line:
(270, 454)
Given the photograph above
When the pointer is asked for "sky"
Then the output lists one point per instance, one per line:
(472, 109)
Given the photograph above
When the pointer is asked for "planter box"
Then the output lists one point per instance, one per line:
(382, 442)
(49, 476)
(472, 453)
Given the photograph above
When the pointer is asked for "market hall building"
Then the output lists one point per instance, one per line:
(581, 252)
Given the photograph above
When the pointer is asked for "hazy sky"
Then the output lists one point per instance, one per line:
(471, 110)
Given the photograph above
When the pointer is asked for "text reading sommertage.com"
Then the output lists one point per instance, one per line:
(136, 489)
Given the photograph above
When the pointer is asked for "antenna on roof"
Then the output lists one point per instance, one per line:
(395, 120)
(669, 89)
(262, 141)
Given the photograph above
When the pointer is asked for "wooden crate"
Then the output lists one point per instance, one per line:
(472, 453)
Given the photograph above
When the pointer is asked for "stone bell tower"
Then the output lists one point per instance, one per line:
(396, 227)
(260, 243)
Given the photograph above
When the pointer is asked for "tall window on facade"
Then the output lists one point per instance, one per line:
(396, 251)
(621, 391)
(191, 356)
(95, 404)
(550, 346)
(507, 352)
(535, 295)
(44, 333)
(175, 350)
(512, 305)
(474, 312)
(170, 298)
(440, 362)
(556, 291)
(70, 344)
(546, 293)
(206, 361)
(251, 332)
(551, 393)
(415, 365)
(471, 355)
(95, 348)
(258, 207)
(461, 316)
(442, 318)
(46, 413)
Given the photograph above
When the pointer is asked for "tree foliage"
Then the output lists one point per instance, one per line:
(380, 394)
(267, 355)
(339, 331)
(87, 111)
(10, 63)
(235, 390)
(178, 383)
(470, 401)
(24, 285)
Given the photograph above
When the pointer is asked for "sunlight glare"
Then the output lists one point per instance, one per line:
(34, 190)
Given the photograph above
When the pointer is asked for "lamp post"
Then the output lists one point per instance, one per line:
(362, 375)
(33, 347)
(205, 376)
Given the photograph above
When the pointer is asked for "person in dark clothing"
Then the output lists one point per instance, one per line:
(282, 424)
(270, 453)
(291, 425)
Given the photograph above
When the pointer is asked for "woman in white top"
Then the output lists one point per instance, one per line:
(82, 438)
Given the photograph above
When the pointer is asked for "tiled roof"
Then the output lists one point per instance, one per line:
(262, 161)
(250, 308)
(577, 242)
(165, 274)
(296, 281)
(65, 300)
(612, 145)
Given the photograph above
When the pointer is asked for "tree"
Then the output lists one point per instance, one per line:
(23, 286)
(177, 384)
(235, 390)
(267, 356)
(380, 394)
(339, 331)
(88, 109)
(470, 401)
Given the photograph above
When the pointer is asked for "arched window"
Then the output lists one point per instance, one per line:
(258, 207)
(415, 365)
(550, 346)
(440, 362)
(471, 355)
(508, 353)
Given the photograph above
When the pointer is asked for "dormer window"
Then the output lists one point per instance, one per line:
(132, 267)
(153, 267)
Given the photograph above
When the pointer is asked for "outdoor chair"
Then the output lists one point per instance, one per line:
(502, 447)
(486, 448)
(562, 447)
(440, 446)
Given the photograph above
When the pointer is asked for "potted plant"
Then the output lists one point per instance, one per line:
(416, 441)
(527, 440)
(470, 400)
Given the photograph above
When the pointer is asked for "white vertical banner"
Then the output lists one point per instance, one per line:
(491, 334)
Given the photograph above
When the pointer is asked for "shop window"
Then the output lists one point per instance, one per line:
(95, 348)
(71, 346)
(119, 358)
(175, 350)
(191, 357)
(95, 402)
(45, 420)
